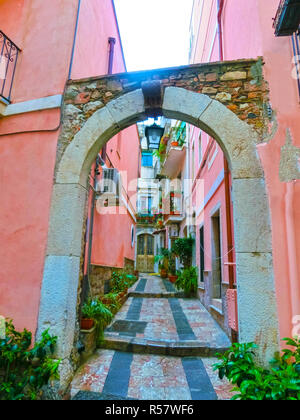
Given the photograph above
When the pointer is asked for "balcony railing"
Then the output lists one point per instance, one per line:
(9, 53)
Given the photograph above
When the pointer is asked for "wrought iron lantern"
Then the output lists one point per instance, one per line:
(154, 134)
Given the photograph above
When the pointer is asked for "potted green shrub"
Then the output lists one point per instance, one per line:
(188, 281)
(183, 249)
(95, 310)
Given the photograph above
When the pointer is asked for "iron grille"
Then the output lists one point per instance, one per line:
(9, 53)
(296, 50)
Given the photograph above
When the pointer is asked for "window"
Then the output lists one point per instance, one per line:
(147, 160)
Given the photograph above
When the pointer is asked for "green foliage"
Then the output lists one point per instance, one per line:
(119, 282)
(24, 370)
(163, 258)
(280, 382)
(187, 281)
(183, 249)
(114, 304)
(95, 309)
(172, 265)
(257, 73)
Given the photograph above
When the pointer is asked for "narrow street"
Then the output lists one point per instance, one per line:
(160, 346)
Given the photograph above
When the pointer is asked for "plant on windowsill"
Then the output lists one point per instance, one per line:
(281, 382)
(187, 281)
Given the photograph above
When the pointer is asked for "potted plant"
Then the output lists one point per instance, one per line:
(87, 317)
(163, 260)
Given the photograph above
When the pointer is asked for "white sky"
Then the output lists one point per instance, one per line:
(155, 33)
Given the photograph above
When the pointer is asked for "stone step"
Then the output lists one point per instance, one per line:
(160, 347)
(151, 295)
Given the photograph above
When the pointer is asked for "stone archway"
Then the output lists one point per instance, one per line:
(102, 115)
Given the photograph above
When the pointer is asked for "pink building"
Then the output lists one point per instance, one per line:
(57, 41)
(229, 30)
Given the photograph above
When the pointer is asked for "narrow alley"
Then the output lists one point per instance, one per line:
(160, 346)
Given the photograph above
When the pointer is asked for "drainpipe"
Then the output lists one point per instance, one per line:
(291, 245)
(112, 42)
(91, 225)
(231, 263)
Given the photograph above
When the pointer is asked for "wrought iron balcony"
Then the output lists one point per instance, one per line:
(287, 18)
(9, 53)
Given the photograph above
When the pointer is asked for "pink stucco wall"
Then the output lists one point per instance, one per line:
(112, 231)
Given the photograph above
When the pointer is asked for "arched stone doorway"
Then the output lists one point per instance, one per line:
(237, 138)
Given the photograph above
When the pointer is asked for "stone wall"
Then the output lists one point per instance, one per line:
(100, 276)
(236, 84)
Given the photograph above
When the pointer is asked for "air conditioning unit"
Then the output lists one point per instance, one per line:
(110, 185)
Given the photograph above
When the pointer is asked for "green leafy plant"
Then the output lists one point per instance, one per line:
(163, 258)
(98, 311)
(183, 249)
(280, 382)
(25, 370)
(187, 281)
(111, 301)
(119, 282)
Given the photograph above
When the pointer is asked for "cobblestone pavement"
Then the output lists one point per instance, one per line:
(145, 376)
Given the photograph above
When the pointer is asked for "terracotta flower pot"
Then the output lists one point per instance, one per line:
(173, 278)
(86, 324)
(163, 273)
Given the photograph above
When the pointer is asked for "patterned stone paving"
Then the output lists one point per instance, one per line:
(142, 376)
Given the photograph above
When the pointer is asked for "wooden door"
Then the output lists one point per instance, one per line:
(145, 254)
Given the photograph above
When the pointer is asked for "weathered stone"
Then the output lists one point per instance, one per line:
(257, 303)
(251, 206)
(114, 85)
(184, 105)
(223, 97)
(289, 169)
(234, 75)
(236, 138)
(58, 301)
(91, 107)
(82, 98)
(65, 229)
(211, 77)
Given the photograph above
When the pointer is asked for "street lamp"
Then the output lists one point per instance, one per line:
(154, 134)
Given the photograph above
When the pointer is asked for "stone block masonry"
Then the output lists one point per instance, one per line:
(230, 83)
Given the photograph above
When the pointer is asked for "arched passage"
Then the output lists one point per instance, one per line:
(256, 291)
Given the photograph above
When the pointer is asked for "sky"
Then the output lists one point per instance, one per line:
(155, 33)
